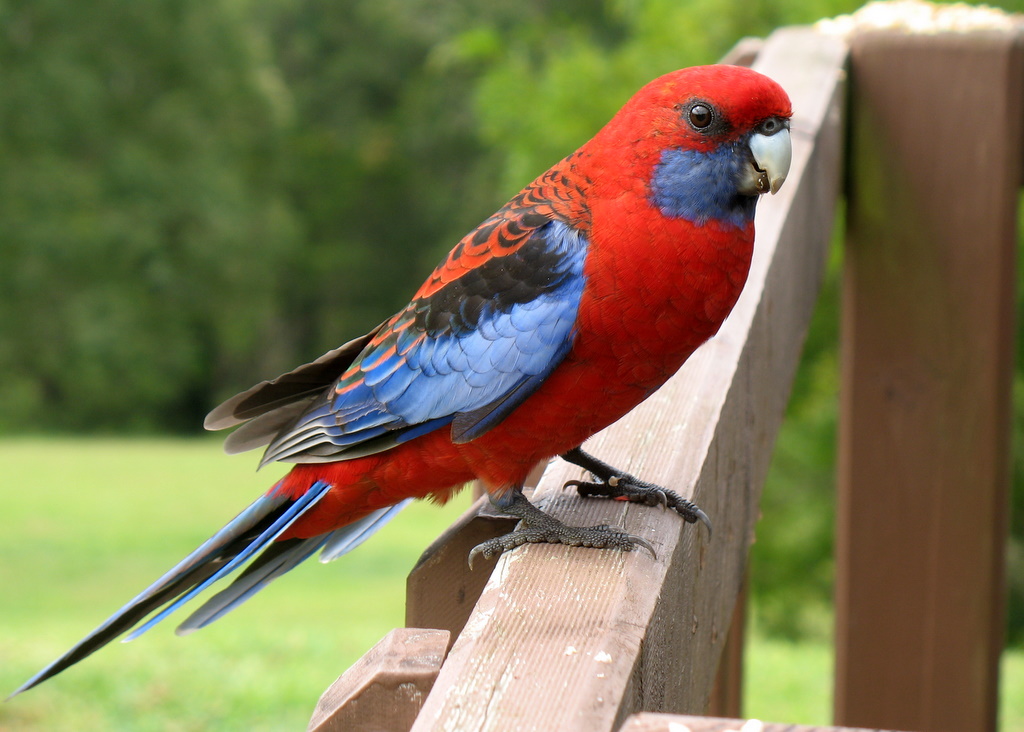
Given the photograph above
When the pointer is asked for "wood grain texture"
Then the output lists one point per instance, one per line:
(928, 334)
(384, 689)
(574, 639)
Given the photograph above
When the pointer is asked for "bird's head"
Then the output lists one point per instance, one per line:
(711, 140)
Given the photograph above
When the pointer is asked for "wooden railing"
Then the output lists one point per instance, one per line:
(556, 638)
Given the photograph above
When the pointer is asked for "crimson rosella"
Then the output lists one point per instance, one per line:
(546, 323)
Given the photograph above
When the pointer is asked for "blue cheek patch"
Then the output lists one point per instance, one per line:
(701, 186)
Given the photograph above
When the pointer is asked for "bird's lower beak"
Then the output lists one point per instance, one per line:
(772, 155)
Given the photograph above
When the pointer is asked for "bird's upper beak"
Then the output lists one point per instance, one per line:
(771, 156)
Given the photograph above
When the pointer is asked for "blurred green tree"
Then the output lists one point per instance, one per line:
(386, 165)
(140, 216)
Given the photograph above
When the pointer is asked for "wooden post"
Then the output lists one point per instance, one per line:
(727, 693)
(570, 639)
(928, 333)
(441, 589)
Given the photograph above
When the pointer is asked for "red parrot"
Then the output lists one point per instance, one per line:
(548, 322)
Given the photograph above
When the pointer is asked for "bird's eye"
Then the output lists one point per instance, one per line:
(700, 116)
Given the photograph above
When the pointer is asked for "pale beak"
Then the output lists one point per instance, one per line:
(772, 155)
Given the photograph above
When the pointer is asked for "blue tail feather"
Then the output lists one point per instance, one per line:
(282, 557)
(253, 530)
(278, 527)
(275, 560)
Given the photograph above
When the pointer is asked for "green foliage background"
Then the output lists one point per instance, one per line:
(198, 194)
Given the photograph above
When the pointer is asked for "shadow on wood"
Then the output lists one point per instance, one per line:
(442, 590)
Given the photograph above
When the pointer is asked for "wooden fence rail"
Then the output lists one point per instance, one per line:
(558, 638)
(545, 648)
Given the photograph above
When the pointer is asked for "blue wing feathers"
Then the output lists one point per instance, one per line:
(421, 429)
(466, 356)
(388, 390)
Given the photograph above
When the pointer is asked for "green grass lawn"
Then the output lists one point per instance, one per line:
(792, 682)
(89, 523)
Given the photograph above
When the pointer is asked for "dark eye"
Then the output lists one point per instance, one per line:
(700, 116)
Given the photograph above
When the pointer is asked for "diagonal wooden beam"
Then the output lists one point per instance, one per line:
(572, 639)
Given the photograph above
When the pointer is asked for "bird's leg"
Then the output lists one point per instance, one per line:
(537, 527)
(612, 483)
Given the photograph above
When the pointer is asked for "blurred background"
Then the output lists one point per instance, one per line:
(196, 195)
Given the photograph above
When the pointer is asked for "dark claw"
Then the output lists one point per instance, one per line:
(702, 517)
(480, 549)
(610, 483)
(641, 542)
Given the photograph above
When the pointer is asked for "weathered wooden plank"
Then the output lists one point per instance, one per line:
(384, 689)
(648, 722)
(928, 333)
(441, 590)
(727, 693)
(572, 639)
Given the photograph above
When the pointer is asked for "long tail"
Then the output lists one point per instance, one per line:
(252, 533)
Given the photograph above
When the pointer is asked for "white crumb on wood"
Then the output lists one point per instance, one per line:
(920, 17)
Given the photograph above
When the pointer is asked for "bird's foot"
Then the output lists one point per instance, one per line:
(612, 483)
(537, 527)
